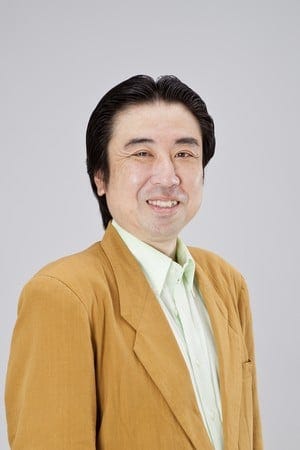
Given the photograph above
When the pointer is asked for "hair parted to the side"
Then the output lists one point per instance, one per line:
(136, 90)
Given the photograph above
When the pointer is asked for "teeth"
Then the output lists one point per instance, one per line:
(163, 203)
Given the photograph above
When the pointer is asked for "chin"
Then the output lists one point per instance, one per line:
(166, 231)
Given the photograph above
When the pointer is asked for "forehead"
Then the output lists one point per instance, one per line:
(156, 120)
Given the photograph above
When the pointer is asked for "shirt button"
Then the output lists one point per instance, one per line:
(197, 363)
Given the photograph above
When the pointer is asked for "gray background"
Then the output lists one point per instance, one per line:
(58, 58)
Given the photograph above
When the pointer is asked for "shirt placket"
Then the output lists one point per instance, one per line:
(198, 354)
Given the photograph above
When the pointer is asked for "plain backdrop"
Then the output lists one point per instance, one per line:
(57, 60)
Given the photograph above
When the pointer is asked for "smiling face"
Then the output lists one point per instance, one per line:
(156, 176)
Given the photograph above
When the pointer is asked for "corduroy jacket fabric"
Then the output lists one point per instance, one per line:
(94, 364)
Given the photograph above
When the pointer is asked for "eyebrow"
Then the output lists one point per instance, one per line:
(136, 141)
(187, 140)
(144, 140)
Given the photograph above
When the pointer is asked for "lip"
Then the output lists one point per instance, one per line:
(150, 201)
(165, 211)
(163, 199)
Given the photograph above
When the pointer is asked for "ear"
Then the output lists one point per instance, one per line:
(99, 182)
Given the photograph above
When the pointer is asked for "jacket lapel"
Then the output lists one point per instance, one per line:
(229, 350)
(166, 367)
(158, 351)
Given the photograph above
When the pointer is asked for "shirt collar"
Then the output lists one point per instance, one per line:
(185, 260)
(157, 266)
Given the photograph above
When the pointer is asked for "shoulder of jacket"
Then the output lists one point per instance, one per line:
(216, 267)
(76, 263)
(84, 274)
(228, 282)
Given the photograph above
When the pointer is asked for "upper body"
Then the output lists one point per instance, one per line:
(101, 368)
(96, 360)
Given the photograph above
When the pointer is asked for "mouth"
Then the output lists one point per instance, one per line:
(163, 203)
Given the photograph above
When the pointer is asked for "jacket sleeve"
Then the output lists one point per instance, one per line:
(247, 328)
(50, 386)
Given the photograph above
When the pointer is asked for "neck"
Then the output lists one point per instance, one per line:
(168, 248)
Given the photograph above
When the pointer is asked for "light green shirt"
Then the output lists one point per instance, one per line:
(174, 287)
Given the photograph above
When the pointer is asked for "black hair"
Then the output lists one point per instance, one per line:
(136, 90)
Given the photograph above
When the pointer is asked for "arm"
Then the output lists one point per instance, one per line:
(50, 386)
(246, 322)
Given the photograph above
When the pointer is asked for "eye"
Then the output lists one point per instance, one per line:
(184, 155)
(142, 154)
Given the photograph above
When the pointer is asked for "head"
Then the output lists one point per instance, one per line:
(138, 90)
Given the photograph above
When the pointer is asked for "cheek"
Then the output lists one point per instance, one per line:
(124, 178)
(198, 180)
(136, 178)
(194, 180)
(194, 189)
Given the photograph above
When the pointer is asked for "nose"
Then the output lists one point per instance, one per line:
(164, 173)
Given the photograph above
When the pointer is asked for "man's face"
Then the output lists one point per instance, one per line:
(156, 177)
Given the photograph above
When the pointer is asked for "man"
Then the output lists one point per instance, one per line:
(138, 343)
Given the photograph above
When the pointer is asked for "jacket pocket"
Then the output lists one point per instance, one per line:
(247, 369)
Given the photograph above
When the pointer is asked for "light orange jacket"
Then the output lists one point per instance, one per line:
(95, 365)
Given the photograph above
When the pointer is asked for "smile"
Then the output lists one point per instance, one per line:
(163, 203)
